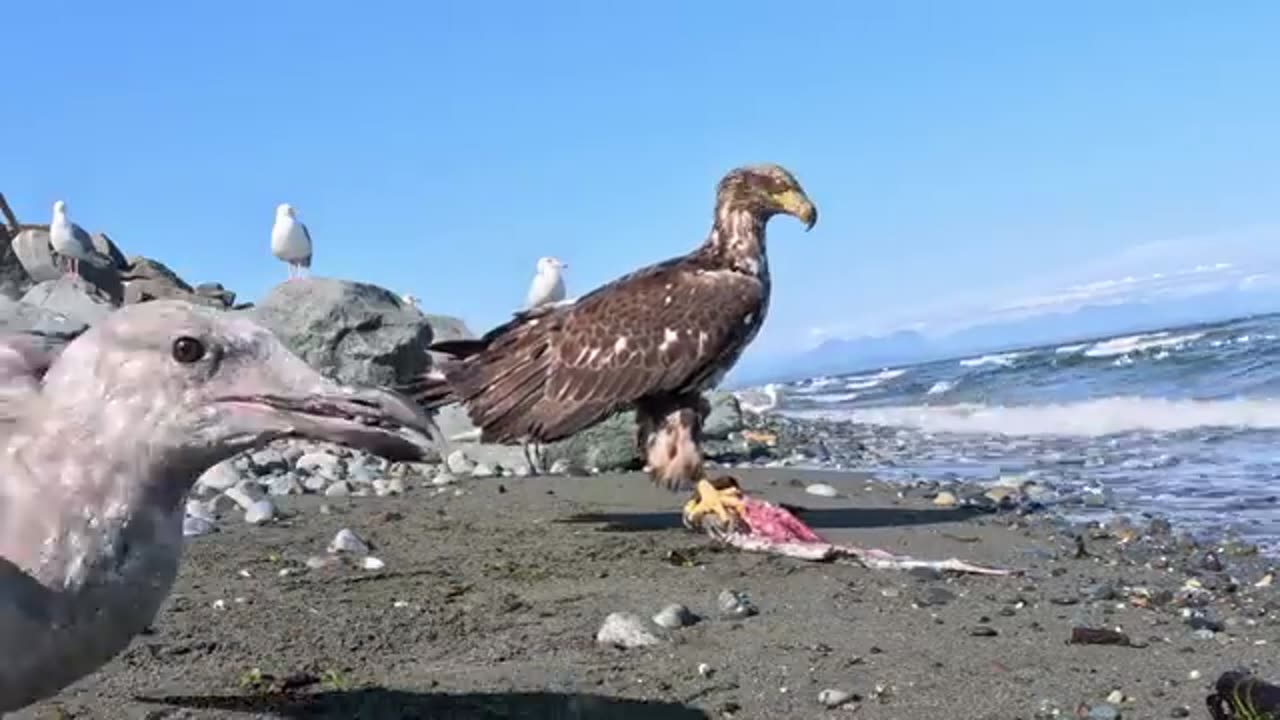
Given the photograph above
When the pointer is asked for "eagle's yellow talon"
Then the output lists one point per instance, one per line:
(725, 504)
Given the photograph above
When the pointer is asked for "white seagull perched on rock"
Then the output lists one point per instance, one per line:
(547, 288)
(100, 441)
(291, 241)
(69, 240)
(548, 283)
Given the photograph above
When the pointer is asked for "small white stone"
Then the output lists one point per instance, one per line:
(220, 477)
(625, 630)
(482, 470)
(834, 698)
(443, 479)
(321, 463)
(260, 512)
(1116, 697)
(1194, 675)
(822, 490)
(196, 526)
(458, 463)
(245, 493)
(372, 563)
(704, 670)
(219, 604)
(338, 489)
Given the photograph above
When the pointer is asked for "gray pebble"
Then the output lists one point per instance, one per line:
(735, 605)
(199, 509)
(458, 463)
(674, 616)
(269, 461)
(625, 630)
(314, 483)
(245, 493)
(284, 485)
(834, 698)
(219, 478)
(321, 463)
(196, 526)
(347, 541)
(260, 512)
(361, 476)
(560, 467)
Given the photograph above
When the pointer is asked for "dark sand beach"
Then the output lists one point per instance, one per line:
(493, 591)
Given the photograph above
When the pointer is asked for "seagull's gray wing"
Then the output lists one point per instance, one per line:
(306, 263)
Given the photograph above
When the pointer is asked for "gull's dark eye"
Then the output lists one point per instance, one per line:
(187, 350)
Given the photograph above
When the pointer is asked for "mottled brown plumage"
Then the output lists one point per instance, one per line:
(652, 340)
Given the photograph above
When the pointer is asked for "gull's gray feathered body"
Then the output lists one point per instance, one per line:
(99, 444)
(291, 241)
(70, 240)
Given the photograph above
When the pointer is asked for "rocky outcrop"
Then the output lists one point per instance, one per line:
(355, 332)
(146, 279)
(71, 297)
(43, 265)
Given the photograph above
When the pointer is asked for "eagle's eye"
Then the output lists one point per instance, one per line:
(187, 350)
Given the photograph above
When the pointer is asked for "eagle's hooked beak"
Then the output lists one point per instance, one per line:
(794, 202)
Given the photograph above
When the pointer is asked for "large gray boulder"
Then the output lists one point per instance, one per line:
(354, 332)
(608, 446)
(71, 297)
(21, 317)
(14, 280)
(42, 264)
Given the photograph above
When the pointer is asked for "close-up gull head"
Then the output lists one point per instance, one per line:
(99, 445)
(191, 386)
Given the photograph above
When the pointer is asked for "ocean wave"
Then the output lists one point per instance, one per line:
(1139, 343)
(1068, 349)
(940, 387)
(1090, 418)
(1003, 360)
(864, 382)
(835, 397)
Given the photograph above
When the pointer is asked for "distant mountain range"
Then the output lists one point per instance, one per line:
(838, 356)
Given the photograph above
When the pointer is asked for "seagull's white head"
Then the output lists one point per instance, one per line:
(284, 210)
(550, 266)
(60, 207)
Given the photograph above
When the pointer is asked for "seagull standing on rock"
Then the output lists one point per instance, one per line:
(69, 240)
(547, 288)
(291, 241)
(548, 283)
(100, 442)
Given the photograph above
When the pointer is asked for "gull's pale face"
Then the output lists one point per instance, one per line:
(549, 265)
(59, 207)
(285, 210)
(206, 386)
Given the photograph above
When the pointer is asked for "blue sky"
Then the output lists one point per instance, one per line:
(964, 156)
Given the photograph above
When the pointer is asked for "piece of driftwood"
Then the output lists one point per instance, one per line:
(9, 217)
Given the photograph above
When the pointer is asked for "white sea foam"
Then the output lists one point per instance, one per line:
(1004, 360)
(835, 398)
(1068, 349)
(862, 382)
(1139, 343)
(1090, 418)
(940, 387)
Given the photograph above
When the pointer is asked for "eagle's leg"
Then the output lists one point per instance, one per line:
(533, 455)
(669, 433)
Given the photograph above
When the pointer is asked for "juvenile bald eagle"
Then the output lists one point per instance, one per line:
(653, 340)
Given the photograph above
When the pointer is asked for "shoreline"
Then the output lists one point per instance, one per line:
(492, 591)
(847, 446)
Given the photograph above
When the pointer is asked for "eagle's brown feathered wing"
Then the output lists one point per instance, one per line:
(661, 330)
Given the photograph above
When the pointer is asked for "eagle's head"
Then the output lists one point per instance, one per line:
(766, 190)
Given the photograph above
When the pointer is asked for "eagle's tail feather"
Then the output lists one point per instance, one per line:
(459, 348)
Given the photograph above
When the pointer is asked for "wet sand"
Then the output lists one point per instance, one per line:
(490, 600)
